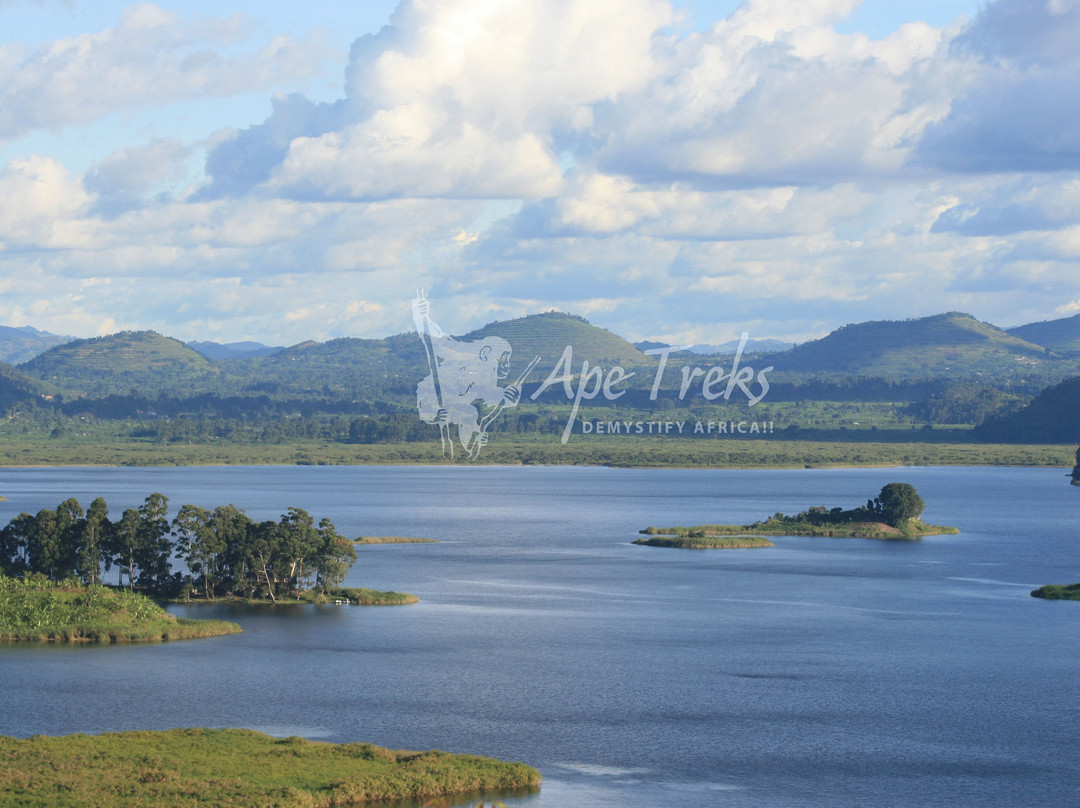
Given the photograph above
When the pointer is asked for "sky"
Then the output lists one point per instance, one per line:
(676, 171)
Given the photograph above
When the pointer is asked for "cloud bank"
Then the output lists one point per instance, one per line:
(764, 172)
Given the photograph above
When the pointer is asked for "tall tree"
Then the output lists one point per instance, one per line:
(899, 503)
(123, 546)
(298, 542)
(334, 558)
(196, 546)
(154, 546)
(91, 535)
(14, 543)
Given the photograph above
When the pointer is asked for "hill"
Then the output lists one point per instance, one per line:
(547, 335)
(954, 346)
(348, 368)
(117, 364)
(17, 388)
(1062, 336)
(1053, 416)
(22, 344)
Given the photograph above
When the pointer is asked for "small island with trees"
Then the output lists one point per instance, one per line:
(892, 514)
(51, 566)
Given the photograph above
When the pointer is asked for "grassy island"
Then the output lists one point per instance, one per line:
(1058, 592)
(234, 768)
(893, 514)
(391, 540)
(699, 538)
(36, 609)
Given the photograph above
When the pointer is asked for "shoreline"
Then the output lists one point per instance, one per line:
(610, 453)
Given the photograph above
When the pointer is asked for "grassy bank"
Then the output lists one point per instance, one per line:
(622, 451)
(356, 596)
(233, 768)
(41, 611)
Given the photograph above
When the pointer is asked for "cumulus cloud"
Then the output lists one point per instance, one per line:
(150, 57)
(1015, 107)
(458, 99)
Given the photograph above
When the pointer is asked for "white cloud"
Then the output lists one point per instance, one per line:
(151, 57)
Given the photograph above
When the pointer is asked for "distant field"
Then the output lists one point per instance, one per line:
(626, 451)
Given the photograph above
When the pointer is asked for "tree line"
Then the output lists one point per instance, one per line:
(224, 551)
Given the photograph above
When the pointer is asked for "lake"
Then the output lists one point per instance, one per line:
(820, 672)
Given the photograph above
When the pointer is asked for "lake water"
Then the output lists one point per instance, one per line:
(820, 672)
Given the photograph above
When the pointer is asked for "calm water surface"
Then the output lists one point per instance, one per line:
(821, 672)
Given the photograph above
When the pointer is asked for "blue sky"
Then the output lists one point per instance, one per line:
(682, 172)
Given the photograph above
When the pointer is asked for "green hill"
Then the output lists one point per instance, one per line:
(547, 335)
(117, 364)
(16, 387)
(953, 346)
(346, 368)
(374, 369)
(1062, 336)
(1053, 416)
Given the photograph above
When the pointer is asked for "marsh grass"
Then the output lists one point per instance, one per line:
(38, 610)
(695, 540)
(392, 540)
(234, 768)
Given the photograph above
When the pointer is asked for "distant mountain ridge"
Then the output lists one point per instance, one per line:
(1058, 335)
(232, 350)
(953, 346)
(729, 347)
(25, 342)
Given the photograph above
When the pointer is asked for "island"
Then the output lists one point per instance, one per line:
(1057, 592)
(1076, 470)
(240, 768)
(35, 609)
(700, 538)
(893, 514)
(392, 540)
(227, 556)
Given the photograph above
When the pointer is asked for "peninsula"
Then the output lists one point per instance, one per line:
(893, 514)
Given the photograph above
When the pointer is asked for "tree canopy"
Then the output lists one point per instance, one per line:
(898, 503)
(223, 551)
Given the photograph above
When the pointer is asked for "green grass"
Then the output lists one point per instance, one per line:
(233, 768)
(915, 529)
(618, 451)
(357, 596)
(391, 540)
(696, 540)
(1058, 592)
(37, 610)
